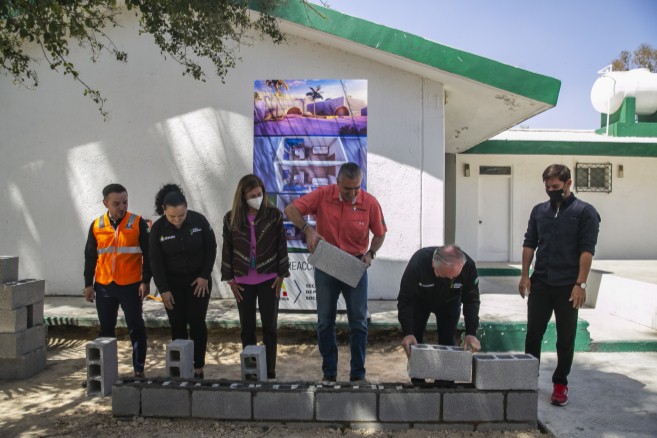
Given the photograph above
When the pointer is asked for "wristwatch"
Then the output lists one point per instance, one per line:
(372, 253)
(582, 285)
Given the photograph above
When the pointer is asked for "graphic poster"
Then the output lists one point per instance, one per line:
(304, 130)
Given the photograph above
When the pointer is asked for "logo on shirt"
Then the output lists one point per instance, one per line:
(426, 285)
(194, 230)
(457, 285)
(163, 238)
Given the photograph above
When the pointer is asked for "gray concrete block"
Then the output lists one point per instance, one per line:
(102, 366)
(488, 427)
(24, 366)
(345, 404)
(35, 314)
(284, 402)
(440, 362)
(180, 359)
(13, 320)
(337, 263)
(8, 269)
(505, 371)
(221, 402)
(126, 399)
(15, 345)
(166, 399)
(473, 406)
(253, 360)
(522, 406)
(409, 405)
(21, 293)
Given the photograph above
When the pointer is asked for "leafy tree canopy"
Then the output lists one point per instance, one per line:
(643, 57)
(185, 30)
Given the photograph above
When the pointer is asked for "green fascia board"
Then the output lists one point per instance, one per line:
(417, 49)
(529, 147)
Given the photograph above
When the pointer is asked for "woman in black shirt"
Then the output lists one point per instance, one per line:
(183, 249)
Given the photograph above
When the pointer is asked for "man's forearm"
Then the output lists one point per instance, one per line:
(295, 216)
(377, 243)
(585, 262)
(527, 257)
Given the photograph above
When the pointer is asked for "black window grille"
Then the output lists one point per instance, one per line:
(593, 177)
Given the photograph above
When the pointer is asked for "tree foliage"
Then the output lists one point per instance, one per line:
(184, 30)
(643, 56)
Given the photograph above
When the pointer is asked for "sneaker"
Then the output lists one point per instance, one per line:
(559, 395)
(199, 375)
(357, 379)
(271, 374)
(139, 375)
(329, 378)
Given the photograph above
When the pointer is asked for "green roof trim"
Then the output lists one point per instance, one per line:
(414, 48)
(529, 147)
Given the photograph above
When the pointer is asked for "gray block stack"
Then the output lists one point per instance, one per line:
(440, 362)
(180, 358)
(102, 366)
(505, 371)
(253, 361)
(22, 331)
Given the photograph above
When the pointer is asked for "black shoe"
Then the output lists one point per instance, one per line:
(139, 375)
(271, 374)
(199, 375)
(329, 378)
(357, 379)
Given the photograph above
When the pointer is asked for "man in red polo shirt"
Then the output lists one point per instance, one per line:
(345, 216)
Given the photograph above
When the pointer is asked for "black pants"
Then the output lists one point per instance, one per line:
(268, 305)
(543, 300)
(108, 299)
(189, 310)
(447, 318)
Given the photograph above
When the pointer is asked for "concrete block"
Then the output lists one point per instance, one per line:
(8, 269)
(35, 314)
(440, 362)
(409, 405)
(284, 402)
(345, 404)
(24, 366)
(102, 366)
(505, 371)
(253, 360)
(488, 427)
(180, 359)
(15, 345)
(473, 406)
(126, 399)
(13, 320)
(166, 399)
(21, 293)
(522, 406)
(337, 263)
(222, 402)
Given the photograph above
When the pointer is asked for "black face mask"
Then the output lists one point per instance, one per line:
(555, 195)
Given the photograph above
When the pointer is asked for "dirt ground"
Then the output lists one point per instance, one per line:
(54, 402)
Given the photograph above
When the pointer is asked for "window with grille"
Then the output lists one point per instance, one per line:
(593, 177)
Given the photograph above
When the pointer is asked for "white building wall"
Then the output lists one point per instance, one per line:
(58, 153)
(626, 230)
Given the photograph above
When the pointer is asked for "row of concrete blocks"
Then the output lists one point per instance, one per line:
(103, 368)
(394, 403)
(22, 330)
(486, 371)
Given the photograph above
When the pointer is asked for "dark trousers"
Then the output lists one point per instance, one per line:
(447, 319)
(189, 310)
(268, 306)
(108, 299)
(543, 300)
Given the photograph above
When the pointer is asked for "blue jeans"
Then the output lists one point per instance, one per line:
(108, 299)
(328, 291)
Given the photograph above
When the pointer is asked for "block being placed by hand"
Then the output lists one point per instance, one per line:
(337, 263)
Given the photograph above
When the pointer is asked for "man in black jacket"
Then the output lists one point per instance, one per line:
(563, 231)
(438, 280)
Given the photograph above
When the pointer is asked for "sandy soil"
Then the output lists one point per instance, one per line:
(54, 402)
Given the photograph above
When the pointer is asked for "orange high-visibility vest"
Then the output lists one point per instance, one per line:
(119, 253)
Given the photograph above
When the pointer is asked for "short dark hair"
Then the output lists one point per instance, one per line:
(113, 188)
(171, 195)
(350, 170)
(557, 171)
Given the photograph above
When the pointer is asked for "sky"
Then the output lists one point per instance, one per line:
(569, 40)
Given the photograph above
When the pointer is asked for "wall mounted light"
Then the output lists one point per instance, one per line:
(620, 170)
(466, 170)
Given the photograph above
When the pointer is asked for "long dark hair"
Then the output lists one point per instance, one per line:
(240, 207)
(170, 195)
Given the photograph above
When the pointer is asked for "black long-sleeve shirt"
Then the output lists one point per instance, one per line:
(91, 253)
(559, 237)
(419, 283)
(188, 251)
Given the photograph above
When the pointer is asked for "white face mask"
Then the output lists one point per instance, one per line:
(255, 202)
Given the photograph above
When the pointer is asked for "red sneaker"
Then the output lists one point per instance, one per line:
(559, 395)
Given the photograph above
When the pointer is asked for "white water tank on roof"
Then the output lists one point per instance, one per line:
(610, 89)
